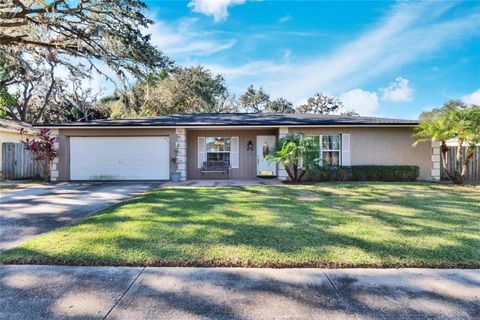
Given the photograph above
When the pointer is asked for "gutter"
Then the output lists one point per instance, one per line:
(221, 126)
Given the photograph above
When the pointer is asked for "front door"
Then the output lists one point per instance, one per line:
(264, 145)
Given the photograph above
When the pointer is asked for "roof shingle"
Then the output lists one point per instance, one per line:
(240, 119)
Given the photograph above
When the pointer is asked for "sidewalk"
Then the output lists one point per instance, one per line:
(57, 292)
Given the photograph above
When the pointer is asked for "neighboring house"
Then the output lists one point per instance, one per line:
(10, 132)
(141, 149)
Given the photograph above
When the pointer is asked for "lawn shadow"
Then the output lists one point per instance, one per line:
(269, 226)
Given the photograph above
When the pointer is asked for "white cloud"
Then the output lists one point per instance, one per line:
(185, 39)
(397, 91)
(218, 9)
(407, 34)
(287, 54)
(473, 98)
(285, 18)
(361, 101)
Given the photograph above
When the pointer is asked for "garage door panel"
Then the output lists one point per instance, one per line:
(119, 158)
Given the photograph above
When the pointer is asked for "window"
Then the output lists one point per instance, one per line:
(327, 147)
(330, 152)
(218, 148)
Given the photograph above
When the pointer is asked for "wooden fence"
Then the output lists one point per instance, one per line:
(17, 162)
(473, 173)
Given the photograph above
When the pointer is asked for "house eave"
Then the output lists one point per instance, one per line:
(409, 125)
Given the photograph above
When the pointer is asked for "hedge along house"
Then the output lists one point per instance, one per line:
(142, 148)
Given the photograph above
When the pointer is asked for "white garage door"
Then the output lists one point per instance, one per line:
(119, 158)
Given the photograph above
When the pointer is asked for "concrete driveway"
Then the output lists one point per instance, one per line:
(59, 292)
(27, 212)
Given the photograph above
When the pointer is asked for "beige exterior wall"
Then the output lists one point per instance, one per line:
(247, 168)
(382, 146)
(65, 134)
(369, 146)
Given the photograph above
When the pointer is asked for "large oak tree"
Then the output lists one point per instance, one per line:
(41, 39)
(90, 30)
(321, 104)
(184, 90)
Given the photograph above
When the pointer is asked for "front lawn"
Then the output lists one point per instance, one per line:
(336, 224)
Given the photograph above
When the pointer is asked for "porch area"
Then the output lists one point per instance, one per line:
(241, 150)
(223, 182)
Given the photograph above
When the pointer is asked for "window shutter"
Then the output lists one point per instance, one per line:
(300, 159)
(345, 150)
(202, 154)
(234, 161)
(320, 152)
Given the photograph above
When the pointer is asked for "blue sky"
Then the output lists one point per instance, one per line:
(381, 58)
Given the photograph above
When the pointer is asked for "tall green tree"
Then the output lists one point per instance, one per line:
(320, 104)
(258, 101)
(463, 125)
(31, 81)
(280, 105)
(77, 38)
(108, 31)
(184, 90)
(254, 101)
(447, 107)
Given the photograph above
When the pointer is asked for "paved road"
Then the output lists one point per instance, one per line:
(27, 212)
(60, 292)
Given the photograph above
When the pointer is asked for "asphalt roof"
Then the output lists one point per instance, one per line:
(15, 126)
(239, 119)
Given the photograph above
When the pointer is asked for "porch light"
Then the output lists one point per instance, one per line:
(250, 145)
(219, 142)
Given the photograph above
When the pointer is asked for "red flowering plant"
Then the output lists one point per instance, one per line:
(42, 151)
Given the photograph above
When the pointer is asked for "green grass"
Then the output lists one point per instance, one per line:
(326, 225)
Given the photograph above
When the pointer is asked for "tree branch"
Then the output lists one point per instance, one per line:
(47, 95)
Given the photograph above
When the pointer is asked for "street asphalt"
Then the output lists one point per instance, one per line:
(63, 292)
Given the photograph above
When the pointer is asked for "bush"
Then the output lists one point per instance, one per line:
(366, 173)
(331, 174)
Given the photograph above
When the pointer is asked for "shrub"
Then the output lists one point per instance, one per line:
(327, 173)
(367, 173)
(42, 151)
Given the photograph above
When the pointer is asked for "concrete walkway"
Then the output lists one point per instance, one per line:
(58, 292)
(37, 208)
(223, 182)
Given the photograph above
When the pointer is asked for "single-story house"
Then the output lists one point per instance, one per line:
(142, 148)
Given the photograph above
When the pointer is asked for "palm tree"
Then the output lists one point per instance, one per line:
(297, 153)
(460, 124)
(469, 133)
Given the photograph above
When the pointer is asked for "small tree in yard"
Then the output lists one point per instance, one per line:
(297, 153)
(460, 124)
(42, 152)
(321, 104)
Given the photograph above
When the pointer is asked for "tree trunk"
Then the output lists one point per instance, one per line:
(466, 161)
(287, 168)
(302, 174)
(443, 152)
(295, 172)
(456, 176)
(458, 157)
(46, 99)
